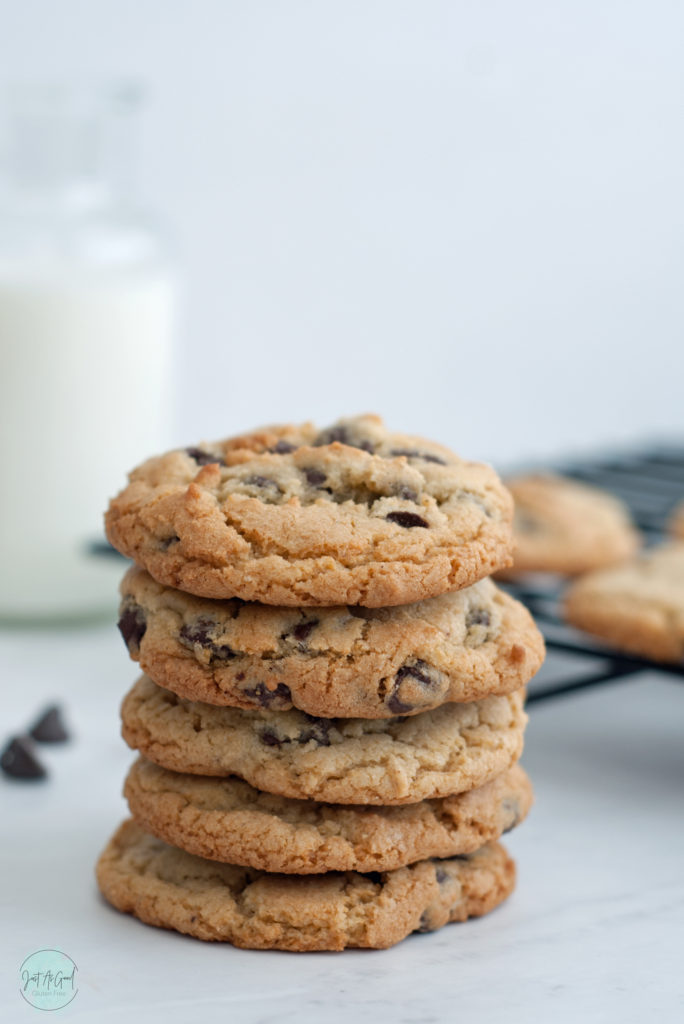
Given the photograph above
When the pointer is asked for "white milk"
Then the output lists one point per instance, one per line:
(84, 396)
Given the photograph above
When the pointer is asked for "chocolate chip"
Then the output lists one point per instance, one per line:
(19, 761)
(419, 672)
(477, 617)
(201, 632)
(331, 435)
(49, 728)
(317, 731)
(270, 737)
(511, 808)
(221, 652)
(198, 632)
(166, 542)
(440, 874)
(314, 477)
(304, 630)
(357, 612)
(341, 434)
(235, 605)
(300, 633)
(279, 698)
(203, 458)
(406, 519)
(424, 923)
(407, 493)
(132, 625)
(283, 448)
(263, 482)
(412, 453)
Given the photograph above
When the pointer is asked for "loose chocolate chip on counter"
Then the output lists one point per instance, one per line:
(314, 477)
(18, 760)
(406, 678)
(279, 698)
(200, 632)
(406, 519)
(132, 625)
(283, 448)
(203, 458)
(412, 453)
(49, 727)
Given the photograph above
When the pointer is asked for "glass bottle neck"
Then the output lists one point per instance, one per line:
(66, 150)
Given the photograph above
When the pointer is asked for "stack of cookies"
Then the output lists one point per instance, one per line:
(331, 714)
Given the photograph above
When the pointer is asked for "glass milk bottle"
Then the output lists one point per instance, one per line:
(86, 319)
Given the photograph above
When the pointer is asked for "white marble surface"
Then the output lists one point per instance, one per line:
(593, 933)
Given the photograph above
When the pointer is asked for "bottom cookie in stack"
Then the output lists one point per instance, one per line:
(278, 830)
(419, 866)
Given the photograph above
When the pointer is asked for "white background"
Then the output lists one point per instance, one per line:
(466, 216)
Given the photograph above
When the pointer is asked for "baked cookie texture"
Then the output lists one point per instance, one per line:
(291, 515)
(567, 527)
(228, 820)
(331, 662)
(638, 606)
(399, 760)
(169, 888)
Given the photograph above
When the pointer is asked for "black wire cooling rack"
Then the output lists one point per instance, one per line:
(651, 482)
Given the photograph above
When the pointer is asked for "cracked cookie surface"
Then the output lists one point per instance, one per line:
(169, 888)
(290, 515)
(567, 527)
(230, 821)
(638, 606)
(450, 749)
(340, 661)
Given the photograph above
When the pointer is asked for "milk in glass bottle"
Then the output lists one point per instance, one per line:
(86, 321)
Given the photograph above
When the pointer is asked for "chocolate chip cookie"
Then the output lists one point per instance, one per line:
(166, 887)
(567, 527)
(331, 662)
(399, 760)
(638, 606)
(230, 821)
(294, 516)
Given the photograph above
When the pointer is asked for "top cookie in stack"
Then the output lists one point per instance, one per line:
(351, 515)
(320, 645)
